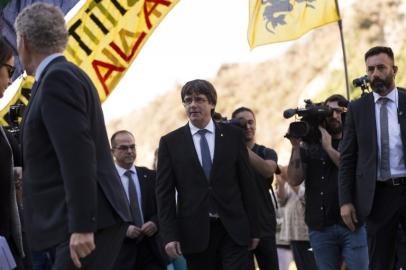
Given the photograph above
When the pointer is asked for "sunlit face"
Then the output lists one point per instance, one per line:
(5, 72)
(198, 109)
(381, 73)
(124, 150)
(250, 125)
(334, 122)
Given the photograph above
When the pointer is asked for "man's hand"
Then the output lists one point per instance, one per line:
(149, 228)
(81, 245)
(133, 231)
(295, 141)
(325, 138)
(349, 216)
(326, 142)
(173, 249)
(254, 243)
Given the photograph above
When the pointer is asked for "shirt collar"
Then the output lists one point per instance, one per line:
(121, 171)
(391, 96)
(209, 127)
(44, 63)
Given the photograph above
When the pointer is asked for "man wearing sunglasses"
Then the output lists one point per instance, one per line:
(317, 164)
(141, 247)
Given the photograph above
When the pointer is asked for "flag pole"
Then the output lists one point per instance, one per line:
(340, 26)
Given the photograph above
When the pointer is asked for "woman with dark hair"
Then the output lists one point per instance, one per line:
(10, 222)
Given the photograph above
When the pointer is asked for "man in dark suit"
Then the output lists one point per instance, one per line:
(372, 183)
(73, 199)
(141, 248)
(214, 220)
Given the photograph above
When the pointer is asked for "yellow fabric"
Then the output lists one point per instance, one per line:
(104, 39)
(273, 21)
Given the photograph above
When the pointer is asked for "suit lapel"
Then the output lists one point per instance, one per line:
(219, 148)
(142, 177)
(402, 119)
(370, 121)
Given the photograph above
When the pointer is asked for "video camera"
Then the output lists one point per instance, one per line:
(218, 118)
(312, 116)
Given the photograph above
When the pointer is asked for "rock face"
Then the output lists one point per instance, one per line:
(311, 68)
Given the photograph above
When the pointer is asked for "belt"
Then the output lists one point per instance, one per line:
(394, 182)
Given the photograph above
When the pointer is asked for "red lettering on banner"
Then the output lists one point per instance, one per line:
(110, 68)
(148, 12)
(134, 49)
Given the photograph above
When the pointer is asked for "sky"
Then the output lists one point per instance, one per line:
(193, 41)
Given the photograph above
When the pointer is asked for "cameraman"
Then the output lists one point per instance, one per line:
(317, 164)
(263, 161)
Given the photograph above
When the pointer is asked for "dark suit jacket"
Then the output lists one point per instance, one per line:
(359, 152)
(146, 179)
(70, 183)
(231, 188)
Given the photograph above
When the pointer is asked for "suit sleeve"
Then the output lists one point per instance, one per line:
(154, 216)
(249, 188)
(348, 159)
(64, 113)
(165, 194)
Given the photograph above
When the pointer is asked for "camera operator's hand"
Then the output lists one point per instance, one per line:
(325, 138)
(348, 214)
(326, 142)
(295, 141)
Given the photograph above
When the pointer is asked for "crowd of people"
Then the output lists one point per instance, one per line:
(209, 203)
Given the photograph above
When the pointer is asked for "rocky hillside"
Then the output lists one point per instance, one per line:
(311, 68)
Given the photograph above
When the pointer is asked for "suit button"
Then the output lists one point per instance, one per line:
(321, 193)
(321, 208)
(210, 188)
(93, 219)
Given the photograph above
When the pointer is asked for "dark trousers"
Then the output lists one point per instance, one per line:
(222, 252)
(266, 255)
(388, 210)
(108, 242)
(136, 255)
(304, 258)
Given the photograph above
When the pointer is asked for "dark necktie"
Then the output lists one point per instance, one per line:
(134, 205)
(383, 117)
(205, 153)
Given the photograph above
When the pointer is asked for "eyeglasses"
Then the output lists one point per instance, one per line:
(198, 100)
(124, 147)
(380, 68)
(10, 69)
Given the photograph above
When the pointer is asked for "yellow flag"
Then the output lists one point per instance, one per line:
(273, 21)
(105, 37)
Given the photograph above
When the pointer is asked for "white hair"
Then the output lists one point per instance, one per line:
(43, 26)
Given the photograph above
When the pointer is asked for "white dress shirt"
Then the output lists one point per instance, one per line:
(210, 136)
(124, 180)
(396, 157)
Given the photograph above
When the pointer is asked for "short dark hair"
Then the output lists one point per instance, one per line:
(242, 109)
(113, 137)
(200, 87)
(378, 50)
(5, 51)
(340, 99)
